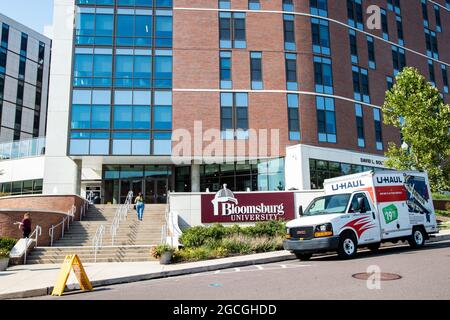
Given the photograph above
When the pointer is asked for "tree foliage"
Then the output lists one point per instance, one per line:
(418, 110)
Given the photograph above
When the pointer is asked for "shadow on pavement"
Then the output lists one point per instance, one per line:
(385, 251)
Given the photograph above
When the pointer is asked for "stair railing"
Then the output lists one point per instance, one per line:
(65, 221)
(97, 241)
(121, 215)
(36, 233)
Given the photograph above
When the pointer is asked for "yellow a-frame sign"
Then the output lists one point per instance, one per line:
(71, 262)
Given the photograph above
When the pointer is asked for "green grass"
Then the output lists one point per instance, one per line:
(440, 196)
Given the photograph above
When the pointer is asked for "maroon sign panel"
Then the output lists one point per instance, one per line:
(247, 207)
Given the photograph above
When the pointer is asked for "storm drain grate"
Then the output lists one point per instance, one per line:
(383, 276)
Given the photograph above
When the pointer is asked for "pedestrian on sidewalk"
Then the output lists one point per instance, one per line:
(139, 201)
(26, 225)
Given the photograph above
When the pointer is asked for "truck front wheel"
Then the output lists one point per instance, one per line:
(347, 246)
(417, 239)
(303, 256)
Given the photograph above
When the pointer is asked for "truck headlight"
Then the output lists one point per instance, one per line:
(288, 233)
(323, 230)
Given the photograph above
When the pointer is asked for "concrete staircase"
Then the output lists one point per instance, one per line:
(133, 241)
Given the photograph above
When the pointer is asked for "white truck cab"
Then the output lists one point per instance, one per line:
(364, 210)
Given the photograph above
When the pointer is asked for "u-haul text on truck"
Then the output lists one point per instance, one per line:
(364, 210)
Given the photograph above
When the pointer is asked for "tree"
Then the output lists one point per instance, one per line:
(416, 107)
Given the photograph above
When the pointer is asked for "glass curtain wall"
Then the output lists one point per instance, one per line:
(122, 78)
(263, 175)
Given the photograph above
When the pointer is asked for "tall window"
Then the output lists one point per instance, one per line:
(360, 125)
(133, 70)
(361, 84)
(399, 23)
(224, 4)
(94, 26)
(425, 13)
(319, 7)
(437, 14)
(291, 71)
(254, 5)
(232, 30)
(234, 115)
(389, 82)
(93, 68)
(293, 117)
(323, 75)
(24, 45)
(371, 52)
(225, 70)
(444, 77)
(256, 70)
(431, 43)
(353, 46)
(431, 72)
(288, 5)
(5, 35)
(384, 24)
(378, 132)
(326, 119)
(394, 5)
(289, 35)
(398, 59)
(320, 36)
(355, 14)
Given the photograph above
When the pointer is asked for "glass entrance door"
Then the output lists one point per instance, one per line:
(156, 190)
(127, 185)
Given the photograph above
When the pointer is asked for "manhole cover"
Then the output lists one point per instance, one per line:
(382, 276)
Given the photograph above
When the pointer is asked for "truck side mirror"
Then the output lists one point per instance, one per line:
(361, 206)
(300, 211)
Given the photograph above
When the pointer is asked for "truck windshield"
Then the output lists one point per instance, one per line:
(328, 205)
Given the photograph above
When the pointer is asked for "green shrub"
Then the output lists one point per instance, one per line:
(234, 230)
(442, 213)
(237, 244)
(7, 243)
(4, 253)
(196, 254)
(194, 237)
(440, 196)
(160, 249)
(267, 228)
(197, 236)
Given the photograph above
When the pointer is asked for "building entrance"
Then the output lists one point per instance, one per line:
(152, 181)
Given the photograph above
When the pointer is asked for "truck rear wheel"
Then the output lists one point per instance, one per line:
(417, 239)
(348, 246)
(303, 256)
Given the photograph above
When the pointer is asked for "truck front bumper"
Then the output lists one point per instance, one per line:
(318, 244)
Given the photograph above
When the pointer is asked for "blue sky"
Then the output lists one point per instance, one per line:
(35, 14)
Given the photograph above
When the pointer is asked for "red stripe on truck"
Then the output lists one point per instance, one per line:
(391, 193)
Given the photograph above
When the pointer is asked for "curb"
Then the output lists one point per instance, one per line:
(172, 273)
(150, 276)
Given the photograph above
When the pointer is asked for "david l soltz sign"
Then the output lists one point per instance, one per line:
(225, 207)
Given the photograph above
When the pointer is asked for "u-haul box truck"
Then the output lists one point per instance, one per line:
(364, 210)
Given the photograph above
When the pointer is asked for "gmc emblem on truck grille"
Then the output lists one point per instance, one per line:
(301, 232)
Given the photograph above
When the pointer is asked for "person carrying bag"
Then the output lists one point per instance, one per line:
(139, 206)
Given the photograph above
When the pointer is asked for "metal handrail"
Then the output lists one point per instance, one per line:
(37, 233)
(97, 242)
(165, 227)
(121, 215)
(70, 214)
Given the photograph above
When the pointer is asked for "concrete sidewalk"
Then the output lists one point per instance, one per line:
(38, 280)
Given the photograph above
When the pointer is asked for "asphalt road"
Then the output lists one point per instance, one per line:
(425, 275)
